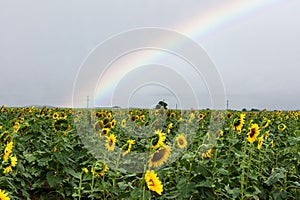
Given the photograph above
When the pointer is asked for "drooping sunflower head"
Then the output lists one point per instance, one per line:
(153, 182)
(161, 137)
(99, 125)
(111, 142)
(239, 122)
(181, 141)
(260, 141)
(99, 169)
(160, 156)
(253, 133)
(265, 123)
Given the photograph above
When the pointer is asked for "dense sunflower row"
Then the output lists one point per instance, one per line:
(137, 154)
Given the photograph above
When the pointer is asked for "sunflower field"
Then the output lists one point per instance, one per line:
(62, 153)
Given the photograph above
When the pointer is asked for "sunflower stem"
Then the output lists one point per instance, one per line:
(243, 170)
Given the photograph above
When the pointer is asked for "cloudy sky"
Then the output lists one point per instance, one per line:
(254, 46)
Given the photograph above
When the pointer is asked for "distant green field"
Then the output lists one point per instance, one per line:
(51, 153)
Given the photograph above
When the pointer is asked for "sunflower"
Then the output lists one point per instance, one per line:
(253, 132)
(113, 123)
(153, 182)
(13, 161)
(281, 127)
(267, 134)
(104, 131)
(161, 139)
(265, 123)
(111, 142)
(8, 150)
(207, 154)
(239, 122)
(4, 195)
(55, 116)
(123, 123)
(260, 142)
(170, 126)
(181, 141)
(99, 125)
(229, 115)
(192, 117)
(200, 116)
(160, 156)
(7, 169)
(130, 143)
(172, 115)
(99, 169)
(85, 170)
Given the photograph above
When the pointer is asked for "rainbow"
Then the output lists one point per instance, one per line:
(197, 28)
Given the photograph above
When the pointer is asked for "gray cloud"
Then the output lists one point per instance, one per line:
(44, 43)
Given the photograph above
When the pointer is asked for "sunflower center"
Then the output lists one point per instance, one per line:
(158, 155)
(110, 142)
(252, 132)
(180, 141)
(151, 182)
(237, 123)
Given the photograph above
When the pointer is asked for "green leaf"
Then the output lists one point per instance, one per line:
(53, 180)
(277, 174)
(136, 193)
(72, 172)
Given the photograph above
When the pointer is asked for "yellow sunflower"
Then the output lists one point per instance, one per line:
(13, 161)
(267, 134)
(104, 132)
(8, 150)
(99, 125)
(170, 126)
(239, 122)
(111, 142)
(123, 123)
(130, 143)
(265, 123)
(55, 116)
(7, 169)
(281, 127)
(4, 195)
(200, 116)
(99, 169)
(181, 141)
(161, 139)
(153, 182)
(192, 117)
(260, 142)
(113, 123)
(160, 156)
(207, 154)
(253, 133)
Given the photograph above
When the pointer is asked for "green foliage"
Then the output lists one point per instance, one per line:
(52, 162)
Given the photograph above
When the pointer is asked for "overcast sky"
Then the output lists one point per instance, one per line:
(44, 43)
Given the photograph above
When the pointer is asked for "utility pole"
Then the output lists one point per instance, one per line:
(227, 103)
(87, 101)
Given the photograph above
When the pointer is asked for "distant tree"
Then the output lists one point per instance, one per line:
(244, 110)
(161, 104)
